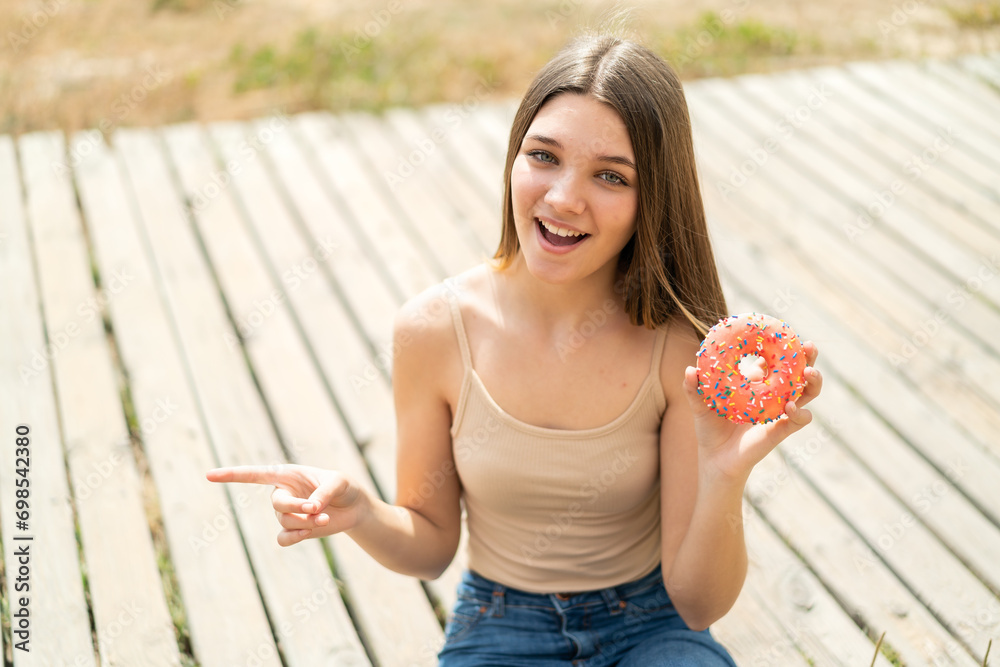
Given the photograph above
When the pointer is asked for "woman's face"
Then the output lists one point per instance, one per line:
(575, 172)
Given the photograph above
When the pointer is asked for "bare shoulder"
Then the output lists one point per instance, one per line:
(680, 350)
(424, 335)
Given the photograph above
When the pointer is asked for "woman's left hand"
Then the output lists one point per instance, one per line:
(731, 449)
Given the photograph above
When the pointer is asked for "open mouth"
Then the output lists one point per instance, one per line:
(552, 235)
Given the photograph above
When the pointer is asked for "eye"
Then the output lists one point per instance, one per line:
(542, 156)
(613, 178)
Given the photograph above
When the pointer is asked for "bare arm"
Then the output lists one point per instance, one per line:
(705, 462)
(418, 535)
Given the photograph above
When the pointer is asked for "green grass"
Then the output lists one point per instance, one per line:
(413, 62)
(721, 44)
(979, 15)
(349, 70)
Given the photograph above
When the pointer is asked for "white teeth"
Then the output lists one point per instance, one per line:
(559, 230)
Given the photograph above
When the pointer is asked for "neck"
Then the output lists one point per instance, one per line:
(559, 308)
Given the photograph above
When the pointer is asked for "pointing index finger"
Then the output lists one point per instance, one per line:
(247, 474)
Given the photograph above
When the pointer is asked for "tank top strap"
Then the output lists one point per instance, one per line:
(450, 288)
(658, 345)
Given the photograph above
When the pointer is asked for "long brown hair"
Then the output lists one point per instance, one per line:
(667, 267)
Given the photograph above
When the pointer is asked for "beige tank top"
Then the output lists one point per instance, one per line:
(558, 510)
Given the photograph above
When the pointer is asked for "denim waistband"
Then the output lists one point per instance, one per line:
(613, 596)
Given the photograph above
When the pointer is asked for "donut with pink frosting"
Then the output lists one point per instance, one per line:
(749, 367)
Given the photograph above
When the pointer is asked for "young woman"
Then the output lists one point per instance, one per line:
(555, 397)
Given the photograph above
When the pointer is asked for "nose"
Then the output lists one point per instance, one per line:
(565, 194)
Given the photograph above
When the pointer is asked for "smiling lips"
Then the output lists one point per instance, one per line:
(559, 236)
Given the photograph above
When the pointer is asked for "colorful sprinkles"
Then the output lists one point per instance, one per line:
(738, 398)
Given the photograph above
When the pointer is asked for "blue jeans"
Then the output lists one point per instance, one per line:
(631, 625)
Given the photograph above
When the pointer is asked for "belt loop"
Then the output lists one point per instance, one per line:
(615, 604)
(498, 598)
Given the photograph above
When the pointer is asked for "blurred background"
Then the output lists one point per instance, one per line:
(75, 64)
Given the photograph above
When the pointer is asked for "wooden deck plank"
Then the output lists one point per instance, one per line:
(891, 121)
(222, 607)
(118, 549)
(964, 84)
(787, 595)
(974, 202)
(473, 207)
(951, 381)
(393, 610)
(791, 196)
(797, 271)
(898, 533)
(235, 418)
(968, 532)
(983, 68)
(494, 121)
(361, 294)
(353, 377)
(974, 315)
(434, 216)
(60, 628)
(931, 191)
(924, 111)
(357, 278)
(382, 229)
(906, 230)
(927, 91)
(859, 514)
(731, 236)
(468, 150)
(831, 548)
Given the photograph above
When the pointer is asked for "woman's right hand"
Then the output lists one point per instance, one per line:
(308, 501)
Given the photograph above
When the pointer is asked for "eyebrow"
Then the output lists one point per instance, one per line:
(616, 159)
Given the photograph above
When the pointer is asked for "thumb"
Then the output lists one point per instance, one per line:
(329, 488)
(695, 399)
